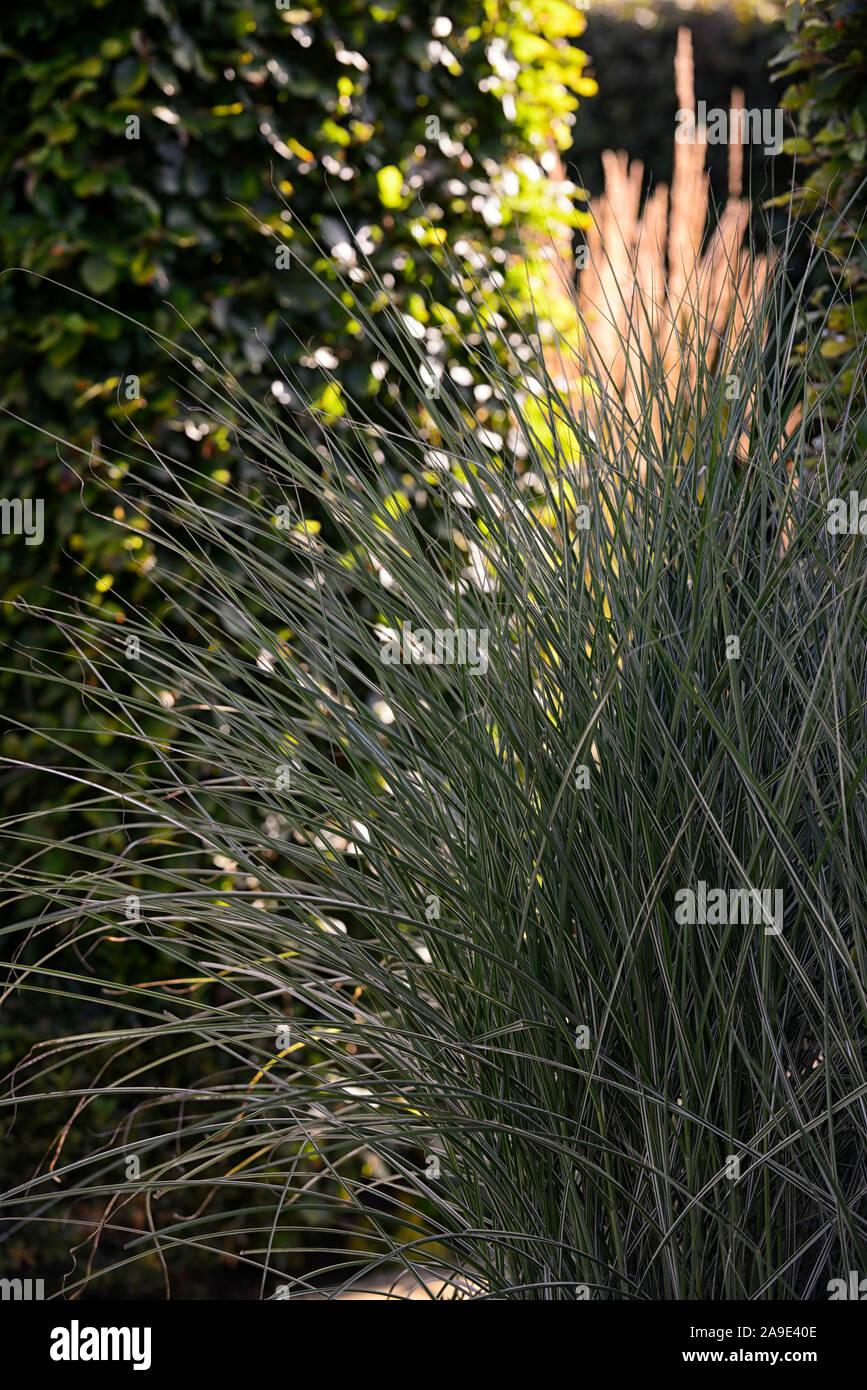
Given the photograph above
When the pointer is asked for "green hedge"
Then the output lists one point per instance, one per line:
(827, 56)
(137, 161)
(248, 118)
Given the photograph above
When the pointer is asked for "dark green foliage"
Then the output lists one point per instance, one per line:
(827, 57)
(239, 109)
(247, 115)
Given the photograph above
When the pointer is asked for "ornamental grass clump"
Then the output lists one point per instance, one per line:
(444, 840)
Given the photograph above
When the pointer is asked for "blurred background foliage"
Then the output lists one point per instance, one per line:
(632, 45)
(392, 129)
(824, 64)
(164, 167)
